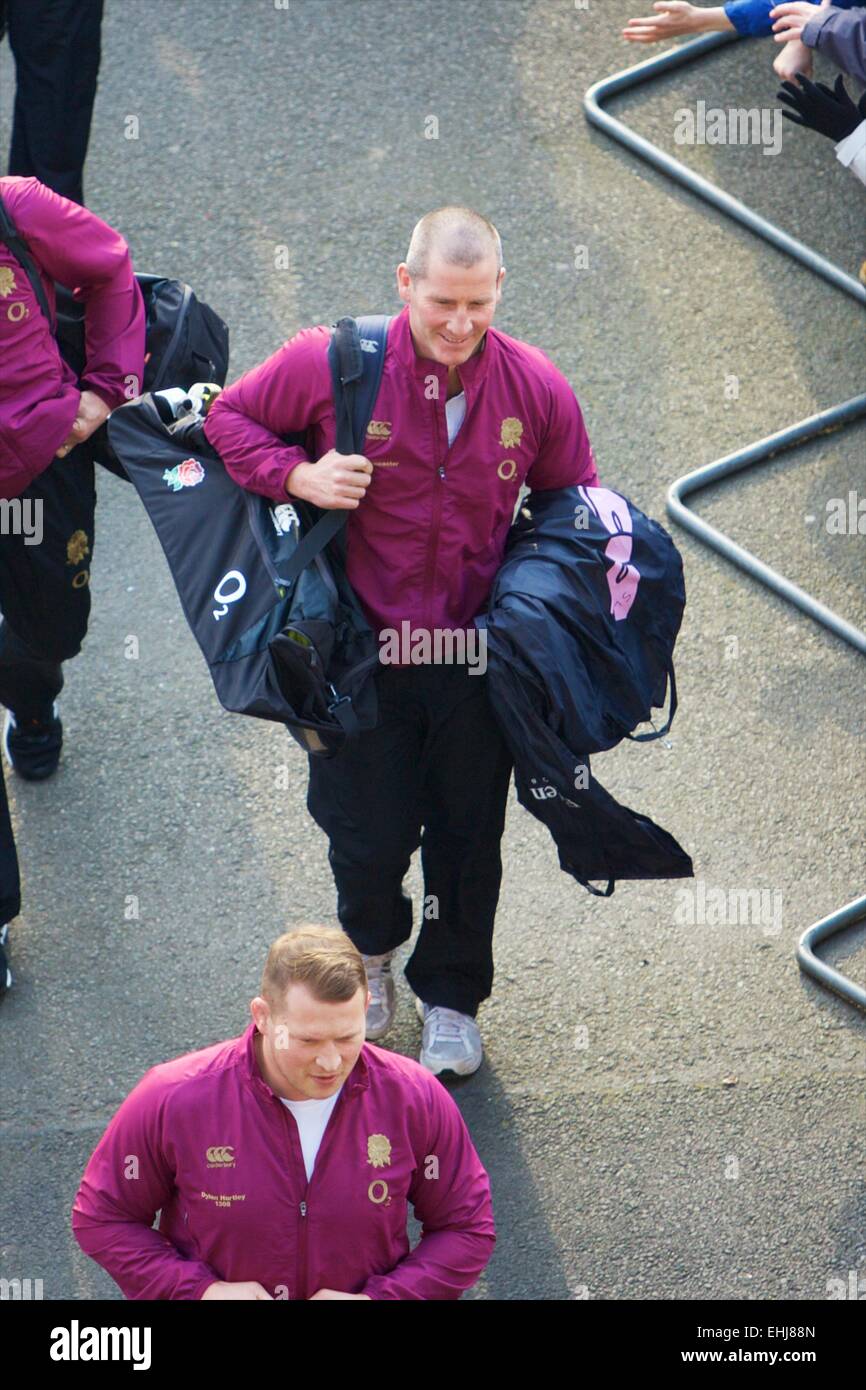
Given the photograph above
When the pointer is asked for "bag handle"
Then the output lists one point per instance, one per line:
(18, 246)
(598, 892)
(659, 733)
(356, 372)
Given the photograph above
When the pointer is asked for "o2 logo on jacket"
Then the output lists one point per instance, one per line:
(224, 596)
(614, 515)
(187, 474)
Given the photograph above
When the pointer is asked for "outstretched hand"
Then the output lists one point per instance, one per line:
(673, 17)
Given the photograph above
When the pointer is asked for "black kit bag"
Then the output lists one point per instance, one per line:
(581, 625)
(596, 836)
(185, 340)
(263, 583)
(613, 580)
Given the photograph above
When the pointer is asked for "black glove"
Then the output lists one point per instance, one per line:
(830, 112)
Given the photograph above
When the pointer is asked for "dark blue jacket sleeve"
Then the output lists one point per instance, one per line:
(752, 17)
(841, 38)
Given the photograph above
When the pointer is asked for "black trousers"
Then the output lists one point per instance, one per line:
(10, 884)
(45, 588)
(434, 773)
(56, 47)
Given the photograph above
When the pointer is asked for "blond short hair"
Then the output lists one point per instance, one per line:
(322, 958)
(460, 235)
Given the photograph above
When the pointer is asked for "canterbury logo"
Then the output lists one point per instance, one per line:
(220, 1156)
(379, 429)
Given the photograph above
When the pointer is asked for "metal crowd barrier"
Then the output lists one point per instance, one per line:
(761, 449)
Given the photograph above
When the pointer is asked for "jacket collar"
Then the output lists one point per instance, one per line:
(400, 341)
(357, 1080)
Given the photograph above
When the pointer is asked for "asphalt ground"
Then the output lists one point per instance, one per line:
(667, 1111)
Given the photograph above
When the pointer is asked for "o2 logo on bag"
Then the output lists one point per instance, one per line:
(224, 596)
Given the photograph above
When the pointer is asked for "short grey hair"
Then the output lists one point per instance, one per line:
(461, 237)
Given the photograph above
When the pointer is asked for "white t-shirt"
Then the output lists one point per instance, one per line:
(312, 1118)
(455, 413)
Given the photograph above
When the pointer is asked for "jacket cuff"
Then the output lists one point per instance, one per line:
(302, 457)
(748, 21)
(110, 397)
(30, 461)
(810, 33)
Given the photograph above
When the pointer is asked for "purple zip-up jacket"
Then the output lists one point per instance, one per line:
(38, 391)
(205, 1142)
(429, 535)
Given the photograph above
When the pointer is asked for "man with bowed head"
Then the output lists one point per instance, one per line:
(464, 416)
(282, 1162)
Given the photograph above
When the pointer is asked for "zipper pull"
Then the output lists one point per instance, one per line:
(442, 471)
(303, 1208)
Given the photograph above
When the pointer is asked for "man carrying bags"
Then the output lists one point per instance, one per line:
(464, 416)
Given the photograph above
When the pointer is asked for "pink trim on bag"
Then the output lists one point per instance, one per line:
(622, 578)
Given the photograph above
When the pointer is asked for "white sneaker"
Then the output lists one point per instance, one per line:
(383, 1004)
(5, 972)
(450, 1041)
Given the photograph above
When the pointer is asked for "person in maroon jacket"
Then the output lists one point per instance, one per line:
(282, 1162)
(465, 416)
(47, 494)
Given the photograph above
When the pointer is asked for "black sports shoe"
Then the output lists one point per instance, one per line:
(5, 972)
(32, 747)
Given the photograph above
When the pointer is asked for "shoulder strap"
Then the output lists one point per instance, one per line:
(18, 246)
(373, 338)
(356, 355)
